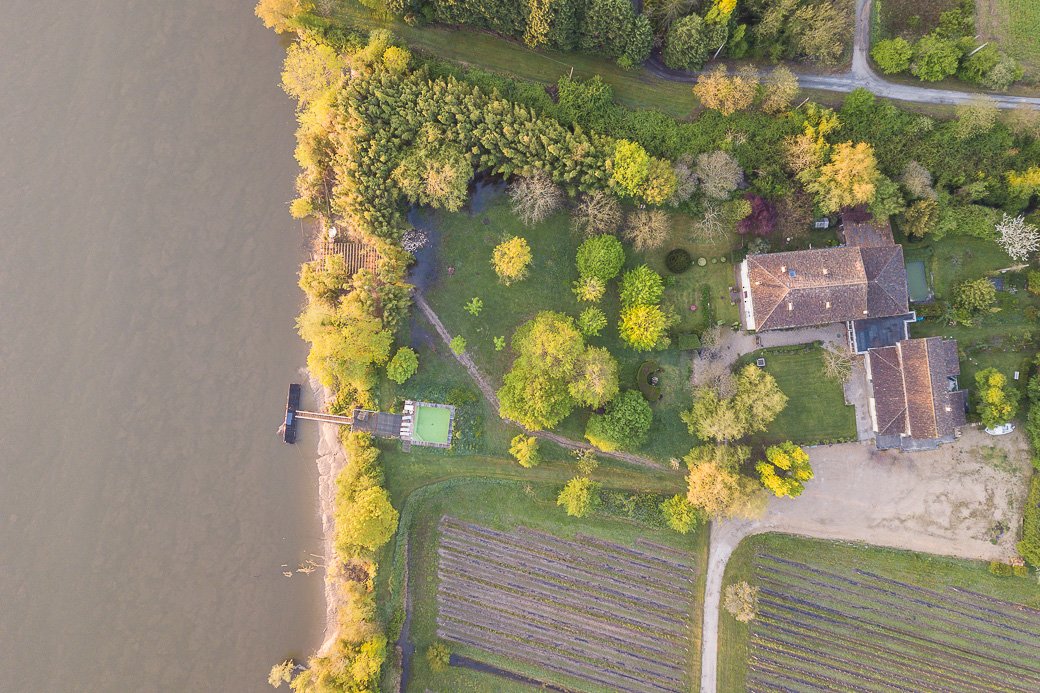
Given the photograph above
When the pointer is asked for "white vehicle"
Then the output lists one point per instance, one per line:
(1001, 430)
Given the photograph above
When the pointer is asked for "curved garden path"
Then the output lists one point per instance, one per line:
(489, 394)
(943, 502)
(861, 74)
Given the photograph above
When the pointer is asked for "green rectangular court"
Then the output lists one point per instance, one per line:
(432, 425)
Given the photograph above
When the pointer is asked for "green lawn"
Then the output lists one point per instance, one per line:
(816, 410)
(466, 244)
(1004, 339)
(504, 505)
(921, 570)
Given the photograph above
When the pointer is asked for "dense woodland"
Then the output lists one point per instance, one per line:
(381, 130)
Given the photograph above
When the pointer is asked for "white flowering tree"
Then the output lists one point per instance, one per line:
(1017, 238)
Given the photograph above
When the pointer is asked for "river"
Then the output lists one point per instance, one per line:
(147, 298)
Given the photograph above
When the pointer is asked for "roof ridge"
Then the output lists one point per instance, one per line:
(883, 269)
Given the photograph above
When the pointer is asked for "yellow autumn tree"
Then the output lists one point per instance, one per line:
(727, 95)
(848, 179)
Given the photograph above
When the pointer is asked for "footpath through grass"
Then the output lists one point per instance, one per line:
(464, 271)
(816, 411)
(966, 639)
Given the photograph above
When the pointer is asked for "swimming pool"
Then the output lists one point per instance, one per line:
(432, 425)
(917, 281)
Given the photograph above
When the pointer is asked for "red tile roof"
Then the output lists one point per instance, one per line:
(912, 388)
(816, 287)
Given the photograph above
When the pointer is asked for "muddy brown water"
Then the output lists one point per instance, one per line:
(147, 295)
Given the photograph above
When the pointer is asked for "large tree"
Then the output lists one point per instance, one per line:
(596, 378)
(997, 400)
(716, 486)
(690, 41)
(935, 58)
(848, 179)
(892, 55)
(367, 522)
(727, 95)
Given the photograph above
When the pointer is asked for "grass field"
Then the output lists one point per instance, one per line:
(503, 506)
(466, 244)
(1014, 25)
(911, 20)
(816, 410)
(835, 615)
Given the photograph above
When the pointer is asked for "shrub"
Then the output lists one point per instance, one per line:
(643, 327)
(579, 497)
(629, 167)
(641, 287)
(678, 261)
(403, 365)
(525, 450)
(511, 259)
(458, 344)
(438, 655)
(601, 257)
(997, 400)
(1000, 569)
(475, 306)
(1033, 282)
(591, 321)
(625, 424)
(892, 55)
(680, 514)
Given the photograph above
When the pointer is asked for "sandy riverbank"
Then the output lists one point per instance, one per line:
(331, 461)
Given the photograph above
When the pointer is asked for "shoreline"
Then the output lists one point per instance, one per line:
(331, 460)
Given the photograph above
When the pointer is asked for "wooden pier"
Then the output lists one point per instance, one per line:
(325, 418)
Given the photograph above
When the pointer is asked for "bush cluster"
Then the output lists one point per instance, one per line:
(950, 49)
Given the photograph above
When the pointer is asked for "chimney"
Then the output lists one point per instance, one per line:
(828, 304)
(790, 306)
(783, 268)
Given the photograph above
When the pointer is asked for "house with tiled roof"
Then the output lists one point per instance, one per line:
(915, 399)
(802, 288)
